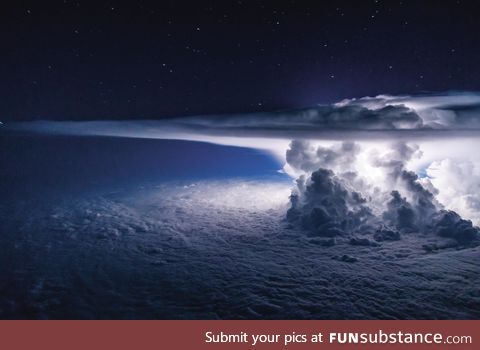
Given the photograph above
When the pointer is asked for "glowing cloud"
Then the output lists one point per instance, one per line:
(445, 128)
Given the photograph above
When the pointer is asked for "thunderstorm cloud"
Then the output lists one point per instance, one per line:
(376, 185)
(381, 166)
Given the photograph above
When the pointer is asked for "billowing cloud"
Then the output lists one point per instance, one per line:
(458, 184)
(333, 198)
(306, 157)
(349, 175)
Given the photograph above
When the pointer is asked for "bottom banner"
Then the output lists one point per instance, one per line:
(307, 335)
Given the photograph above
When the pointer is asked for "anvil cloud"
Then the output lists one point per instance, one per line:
(444, 128)
(381, 117)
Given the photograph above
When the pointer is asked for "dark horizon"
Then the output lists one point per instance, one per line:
(77, 60)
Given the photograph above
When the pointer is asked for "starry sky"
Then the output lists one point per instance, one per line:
(91, 60)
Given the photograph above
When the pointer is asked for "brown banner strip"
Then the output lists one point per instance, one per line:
(198, 335)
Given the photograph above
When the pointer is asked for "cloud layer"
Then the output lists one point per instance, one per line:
(380, 117)
(210, 249)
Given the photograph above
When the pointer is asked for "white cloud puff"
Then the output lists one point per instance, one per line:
(458, 184)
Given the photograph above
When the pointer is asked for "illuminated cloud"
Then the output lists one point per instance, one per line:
(381, 117)
(333, 198)
(458, 184)
(405, 185)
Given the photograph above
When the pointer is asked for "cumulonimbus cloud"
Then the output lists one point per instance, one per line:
(334, 198)
(447, 126)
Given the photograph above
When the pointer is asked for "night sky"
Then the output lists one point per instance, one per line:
(79, 60)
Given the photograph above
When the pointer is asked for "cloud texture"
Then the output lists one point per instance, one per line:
(333, 198)
(379, 117)
(346, 186)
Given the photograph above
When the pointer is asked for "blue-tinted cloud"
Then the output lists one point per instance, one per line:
(380, 117)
